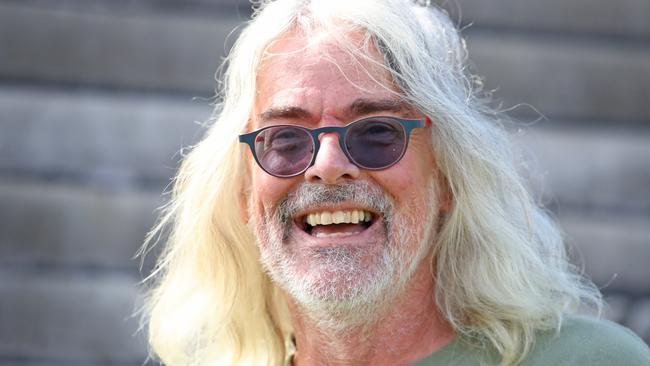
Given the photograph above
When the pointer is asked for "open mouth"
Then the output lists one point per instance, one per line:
(331, 224)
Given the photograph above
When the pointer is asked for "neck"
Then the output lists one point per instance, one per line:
(408, 329)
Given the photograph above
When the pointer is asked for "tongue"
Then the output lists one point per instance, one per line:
(335, 230)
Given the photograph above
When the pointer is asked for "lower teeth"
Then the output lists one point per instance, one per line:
(335, 235)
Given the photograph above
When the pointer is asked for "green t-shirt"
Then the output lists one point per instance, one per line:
(582, 341)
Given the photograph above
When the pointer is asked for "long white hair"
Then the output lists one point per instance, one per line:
(501, 269)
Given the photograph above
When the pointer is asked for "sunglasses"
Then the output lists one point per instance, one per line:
(372, 143)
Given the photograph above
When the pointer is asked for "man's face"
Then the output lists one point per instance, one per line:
(350, 263)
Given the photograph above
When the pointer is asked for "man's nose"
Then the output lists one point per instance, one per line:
(331, 164)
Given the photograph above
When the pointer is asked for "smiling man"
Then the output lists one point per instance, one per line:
(353, 204)
(344, 178)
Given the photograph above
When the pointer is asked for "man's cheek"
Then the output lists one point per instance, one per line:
(271, 190)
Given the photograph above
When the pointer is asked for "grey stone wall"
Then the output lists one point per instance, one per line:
(98, 97)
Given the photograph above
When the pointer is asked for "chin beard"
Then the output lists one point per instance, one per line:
(344, 286)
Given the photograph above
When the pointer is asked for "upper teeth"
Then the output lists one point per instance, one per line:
(338, 217)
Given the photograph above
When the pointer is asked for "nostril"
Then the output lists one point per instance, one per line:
(313, 178)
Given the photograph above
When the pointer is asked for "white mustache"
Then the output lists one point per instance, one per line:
(359, 193)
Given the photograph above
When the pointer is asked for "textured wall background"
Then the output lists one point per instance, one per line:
(97, 97)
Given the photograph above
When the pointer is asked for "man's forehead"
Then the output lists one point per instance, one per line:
(317, 50)
(314, 42)
(300, 78)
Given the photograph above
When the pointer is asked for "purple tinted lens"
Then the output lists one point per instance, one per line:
(376, 143)
(284, 150)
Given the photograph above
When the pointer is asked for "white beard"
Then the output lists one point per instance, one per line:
(345, 286)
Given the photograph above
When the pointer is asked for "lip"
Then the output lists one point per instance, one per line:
(365, 237)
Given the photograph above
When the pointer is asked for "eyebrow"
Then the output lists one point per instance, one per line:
(365, 106)
(359, 107)
(289, 112)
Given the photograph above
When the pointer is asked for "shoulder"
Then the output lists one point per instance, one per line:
(589, 341)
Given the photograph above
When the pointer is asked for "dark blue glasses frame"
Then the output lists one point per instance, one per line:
(372, 143)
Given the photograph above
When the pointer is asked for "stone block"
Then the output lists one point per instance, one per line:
(69, 319)
(113, 139)
(613, 249)
(196, 7)
(52, 225)
(564, 78)
(156, 51)
(599, 17)
(588, 168)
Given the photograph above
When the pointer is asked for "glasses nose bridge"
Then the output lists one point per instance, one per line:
(340, 131)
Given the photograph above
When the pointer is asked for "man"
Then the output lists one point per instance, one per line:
(353, 205)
